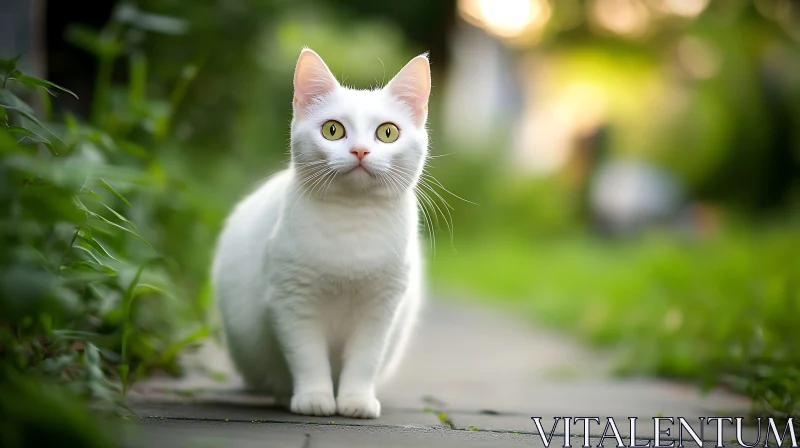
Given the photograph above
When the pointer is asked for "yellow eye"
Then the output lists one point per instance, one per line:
(332, 130)
(387, 133)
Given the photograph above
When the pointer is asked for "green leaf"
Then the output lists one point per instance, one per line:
(76, 334)
(38, 82)
(138, 78)
(103, 45)
(109, 222)
(81, 248)
(26, 132)
(145, 288)
(127, 301)
(120, 217)
(9, 65)
(132, 148)
(30, 117)
(123, 370)
(116, 193)
(71, 122)
(130, 14)
(8, 97)
(22, 112)
(99, 247)
(81, 276)
(88, 266)
(89, 192)
(113, 224)
(33, 136)
(176, 346)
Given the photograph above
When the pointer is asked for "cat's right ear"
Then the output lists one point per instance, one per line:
(312, 80)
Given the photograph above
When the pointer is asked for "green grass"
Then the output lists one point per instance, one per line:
(717, 310)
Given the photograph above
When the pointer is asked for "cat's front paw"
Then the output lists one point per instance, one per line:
(358, 406)
(313, 403)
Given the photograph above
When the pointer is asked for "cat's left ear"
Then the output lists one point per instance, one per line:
(413, 87)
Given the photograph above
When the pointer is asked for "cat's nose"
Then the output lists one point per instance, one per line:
(359, 151)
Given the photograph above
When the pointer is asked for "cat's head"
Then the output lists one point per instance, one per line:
(359, 141)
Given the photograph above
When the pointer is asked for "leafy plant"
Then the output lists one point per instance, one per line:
(88, 303)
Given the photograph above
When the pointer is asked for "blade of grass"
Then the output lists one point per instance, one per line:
(120, 217)
(128, 297)
(113, 191)
(109, 222)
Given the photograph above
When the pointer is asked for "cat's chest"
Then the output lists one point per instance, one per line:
(364, 238)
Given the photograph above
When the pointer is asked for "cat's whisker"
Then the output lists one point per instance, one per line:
(396, 183)
(394, 176)
(447, 219)
(307, 183)
(432, 207)
(428, 175)
(279, 172)
(429, 225)
(328, 186)
(427, 185)
(382, 178)
(428, 216)
(320, 181)
(446, 215)
(431, 156)
(397, 171)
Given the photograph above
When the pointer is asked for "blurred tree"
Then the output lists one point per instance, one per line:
(427, 23)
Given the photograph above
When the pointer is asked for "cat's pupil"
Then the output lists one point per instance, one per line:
(388, 132)
(332, 129)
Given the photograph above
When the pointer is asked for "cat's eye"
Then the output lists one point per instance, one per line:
(387, 132)
(332, 130)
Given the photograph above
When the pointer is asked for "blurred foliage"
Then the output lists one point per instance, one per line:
(88, 303)
(712, 98)
(721, 309)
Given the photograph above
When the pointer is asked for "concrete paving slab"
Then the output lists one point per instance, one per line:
(468, 367)
(228, 412)
(157, 433)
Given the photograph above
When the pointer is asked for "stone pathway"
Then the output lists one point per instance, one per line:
(472, 377)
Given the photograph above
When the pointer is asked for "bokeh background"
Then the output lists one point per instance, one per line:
(626, 171)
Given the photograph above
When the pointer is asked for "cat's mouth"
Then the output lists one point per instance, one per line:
(358, 169)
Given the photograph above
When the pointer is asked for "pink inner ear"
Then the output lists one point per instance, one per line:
(413, 86)
(312, 79)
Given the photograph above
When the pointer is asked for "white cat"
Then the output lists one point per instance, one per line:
(318, 272)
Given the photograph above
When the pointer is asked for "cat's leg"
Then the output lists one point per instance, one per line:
(407, 315)
(400, 336)
(279, 376)
(363, 357)
(298, 327)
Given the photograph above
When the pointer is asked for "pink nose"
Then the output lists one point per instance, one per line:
(359, 152)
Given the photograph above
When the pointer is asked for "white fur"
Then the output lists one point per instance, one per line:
(318, 272)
